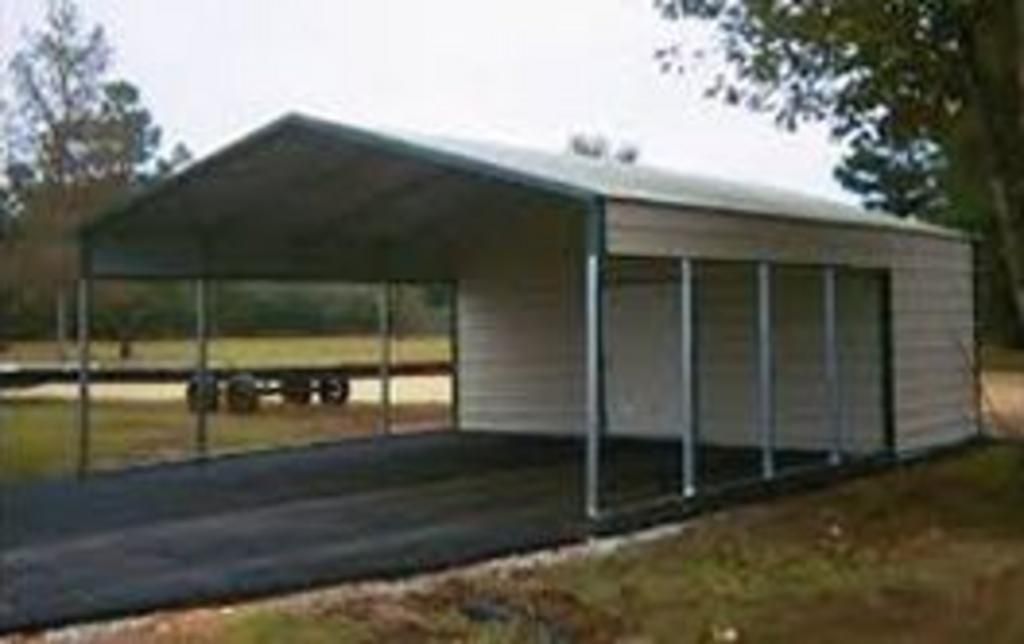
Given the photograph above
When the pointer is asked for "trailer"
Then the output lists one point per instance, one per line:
(237, 389)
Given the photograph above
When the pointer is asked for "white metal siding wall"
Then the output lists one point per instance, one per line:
(931, 297)
(520, 326)
(726, 353)
(933, 339)
(798, 332)
(642, 330)
(643, 371)
(861, 361)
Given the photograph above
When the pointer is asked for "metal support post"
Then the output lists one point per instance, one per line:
(830, 349)
(386, 323)
(203, 383)
(453, 340)
(594, 429)
(765, 371)
(596, 413)
(84, 366)
(687, 358)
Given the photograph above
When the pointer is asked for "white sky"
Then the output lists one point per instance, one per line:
(529, 72)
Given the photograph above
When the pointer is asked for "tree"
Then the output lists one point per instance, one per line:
(123, 142)
(929, 95)
(56, 79)
(76, 140)
(901, 178)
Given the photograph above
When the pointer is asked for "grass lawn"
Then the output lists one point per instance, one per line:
(37, 438)
(931, 553)
(268, 351)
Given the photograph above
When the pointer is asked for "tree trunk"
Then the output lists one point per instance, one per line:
(1007, 213)
(125, 346)
(1002, 138)
(1018, 25)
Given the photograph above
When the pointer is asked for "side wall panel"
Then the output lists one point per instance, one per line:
(798, 331)
(931, 298)
(861, 360)
(642, 356)
(726, 353)
(933, 336)
(521, 352)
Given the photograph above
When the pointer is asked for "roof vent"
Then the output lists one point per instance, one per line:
(599, 148)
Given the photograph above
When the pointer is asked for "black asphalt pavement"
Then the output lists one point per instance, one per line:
(173, 535)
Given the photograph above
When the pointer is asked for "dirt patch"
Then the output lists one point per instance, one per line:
(1003, 398)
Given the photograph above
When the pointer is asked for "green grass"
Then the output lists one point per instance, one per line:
(37, 438)
(879, 560)
(929, 553)
(273, 627)
(266, 351)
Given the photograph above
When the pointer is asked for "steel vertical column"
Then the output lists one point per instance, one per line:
(687, 399)
(61, 313)
(84, 365)
(385, 319)
(596, 417)
(833, 395)
(203, 384)
(765, 371)
(453, 339)
(593, 312)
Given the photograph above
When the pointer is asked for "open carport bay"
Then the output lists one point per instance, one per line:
(242, 526)
(126, 542)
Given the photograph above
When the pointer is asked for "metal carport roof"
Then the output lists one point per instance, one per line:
(304, 197)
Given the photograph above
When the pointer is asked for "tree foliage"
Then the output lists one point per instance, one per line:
(927, 94)
(75, 139)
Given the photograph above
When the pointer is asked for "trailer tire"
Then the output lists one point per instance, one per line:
(296, 390)
(199, 395)
(243, 394)
(334, 390)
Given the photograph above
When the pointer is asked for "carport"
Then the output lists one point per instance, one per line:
(629, 343)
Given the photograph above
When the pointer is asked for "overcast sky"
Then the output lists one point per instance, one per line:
(529, 72)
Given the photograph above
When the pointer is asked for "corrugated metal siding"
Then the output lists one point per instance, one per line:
(521, 330)
(727, 368)
(642, 348)
(931, 302)
(933, 337)
(643, 371)
(726, 328)
(859, 297)
(801, 411)
(521, 351)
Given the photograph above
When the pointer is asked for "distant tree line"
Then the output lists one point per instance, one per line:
(167, 310)
(74, 139)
